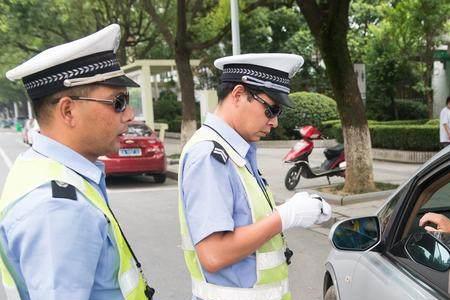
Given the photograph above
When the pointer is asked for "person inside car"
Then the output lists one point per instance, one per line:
(435, 222)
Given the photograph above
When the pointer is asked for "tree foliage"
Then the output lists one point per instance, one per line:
(414, 28)
(29, 26)
(393, 38)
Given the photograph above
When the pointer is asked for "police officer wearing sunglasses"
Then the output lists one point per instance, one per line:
(59, 238)
(231, 228)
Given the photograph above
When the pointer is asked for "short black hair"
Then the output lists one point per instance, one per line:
(448, 100)
(225, 88)
(42, 107)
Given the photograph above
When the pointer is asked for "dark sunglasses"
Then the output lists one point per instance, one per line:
(271, 111)
(119, 103)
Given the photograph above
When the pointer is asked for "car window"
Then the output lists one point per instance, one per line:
(425, 254)
(440, 199)
(139, 130)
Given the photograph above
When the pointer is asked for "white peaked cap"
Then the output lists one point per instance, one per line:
(285, 62)
(87, 60)
(267, 72)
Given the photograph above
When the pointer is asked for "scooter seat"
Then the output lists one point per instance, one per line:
(333, 152)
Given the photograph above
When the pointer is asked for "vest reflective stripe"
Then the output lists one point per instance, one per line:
(129, 280)
(186, 243)
(266, 260)
(275, 291)
(32, 173)
(8, 283)
(269, 260)
(11, 292)
(272, 273)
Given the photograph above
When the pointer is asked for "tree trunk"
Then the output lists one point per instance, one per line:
(357, 143)
(329, 24)
(429, 74)
(394, 107)
(122, 52)
(185, 76)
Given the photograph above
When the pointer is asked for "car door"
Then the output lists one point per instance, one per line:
(391, 272)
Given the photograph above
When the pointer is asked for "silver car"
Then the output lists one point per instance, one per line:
(389, 256)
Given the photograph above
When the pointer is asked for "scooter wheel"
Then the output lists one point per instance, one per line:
(292, 177)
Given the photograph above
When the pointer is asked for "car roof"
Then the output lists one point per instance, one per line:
(138, 123)
(429, 162)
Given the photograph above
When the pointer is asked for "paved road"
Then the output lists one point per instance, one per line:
(148, 214)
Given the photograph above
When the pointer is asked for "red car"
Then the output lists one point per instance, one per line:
(140, 153)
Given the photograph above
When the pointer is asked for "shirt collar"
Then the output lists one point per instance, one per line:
(229, 134)
(68, 157)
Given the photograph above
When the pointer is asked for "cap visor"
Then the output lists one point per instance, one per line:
(120, 81)
(280, 98)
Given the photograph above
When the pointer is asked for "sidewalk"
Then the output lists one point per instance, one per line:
(272, 167)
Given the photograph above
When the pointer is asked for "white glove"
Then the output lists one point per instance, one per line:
(304, 210)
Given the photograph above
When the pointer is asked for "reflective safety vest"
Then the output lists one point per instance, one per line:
(28, 174)
(271, 267)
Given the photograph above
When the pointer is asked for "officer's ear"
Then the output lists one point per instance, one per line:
(66, 110)
(239, 94)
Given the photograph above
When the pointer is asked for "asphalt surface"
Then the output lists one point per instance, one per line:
(149, 216)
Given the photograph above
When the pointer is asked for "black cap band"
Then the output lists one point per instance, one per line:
(235, 72)
(51, 80)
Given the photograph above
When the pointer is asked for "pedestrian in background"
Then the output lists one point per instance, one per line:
(231, 228)
(59, 240)
(444, 125)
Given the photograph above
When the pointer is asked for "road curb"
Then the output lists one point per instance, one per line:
(173, 161)
(352, 199)
(172, 175)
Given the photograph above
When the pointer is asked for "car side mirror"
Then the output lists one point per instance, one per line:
(425, 249)
(356, 234)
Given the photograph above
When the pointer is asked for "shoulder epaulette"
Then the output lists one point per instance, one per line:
(63, 190)
(219, 153)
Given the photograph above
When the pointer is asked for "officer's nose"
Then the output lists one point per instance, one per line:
(273, 122)
(128, 114)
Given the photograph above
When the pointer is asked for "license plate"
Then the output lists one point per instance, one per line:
(130, 152)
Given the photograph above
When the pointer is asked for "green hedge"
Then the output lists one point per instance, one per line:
(405, 137)
(169, 110)
(433, 122)
(174, 124)
(398, 122)
(309, 109)
(413, 135)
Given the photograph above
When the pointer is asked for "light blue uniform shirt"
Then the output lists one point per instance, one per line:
(215, 200)
(61, 248)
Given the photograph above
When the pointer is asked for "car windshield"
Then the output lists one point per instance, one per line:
(138, 130)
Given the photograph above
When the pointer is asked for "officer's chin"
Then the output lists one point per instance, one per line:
(255, 138)
(262, 134)
(115, 147)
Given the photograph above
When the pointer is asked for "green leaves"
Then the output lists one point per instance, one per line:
(309, 109)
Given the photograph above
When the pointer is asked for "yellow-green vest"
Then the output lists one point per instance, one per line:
(272, 270)
(29, 174)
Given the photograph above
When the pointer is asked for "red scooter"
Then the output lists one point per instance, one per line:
(333, 165)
